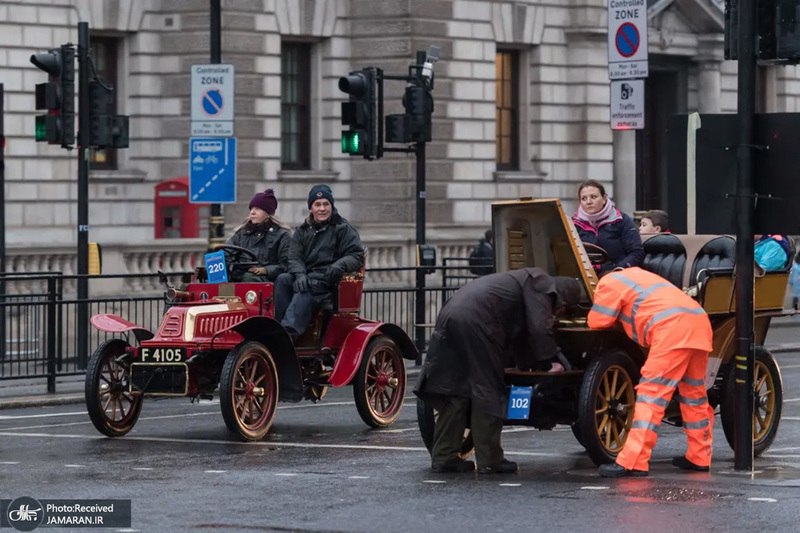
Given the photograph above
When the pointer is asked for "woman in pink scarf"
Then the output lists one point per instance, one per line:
(599, 222)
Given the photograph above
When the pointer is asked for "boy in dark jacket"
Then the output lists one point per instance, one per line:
(322, 250)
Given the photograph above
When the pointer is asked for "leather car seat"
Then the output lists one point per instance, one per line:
(665, 255)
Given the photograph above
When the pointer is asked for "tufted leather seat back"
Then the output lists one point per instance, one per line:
(665, 255)
(719, 252)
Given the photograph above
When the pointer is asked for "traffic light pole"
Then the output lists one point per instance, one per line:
(745, 206)
(84, 120)
(216, 222)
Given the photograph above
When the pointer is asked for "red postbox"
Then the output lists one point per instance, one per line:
(176, 217)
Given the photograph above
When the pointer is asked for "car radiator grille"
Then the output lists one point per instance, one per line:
(171, 326)
(209, 325)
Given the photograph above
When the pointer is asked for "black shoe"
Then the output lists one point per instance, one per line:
(503, 467)
(458, 466)
(615, 470)
(682, 462)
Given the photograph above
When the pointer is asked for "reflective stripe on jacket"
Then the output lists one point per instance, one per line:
(652, 311)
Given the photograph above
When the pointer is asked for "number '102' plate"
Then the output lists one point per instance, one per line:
(519, 403)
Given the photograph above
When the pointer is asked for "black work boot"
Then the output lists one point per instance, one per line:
(615, 470)
(684, 463)
(458, 466)
(503, 467)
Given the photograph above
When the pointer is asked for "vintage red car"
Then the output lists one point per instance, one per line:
(222, 336)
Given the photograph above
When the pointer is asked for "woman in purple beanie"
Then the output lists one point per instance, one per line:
(266, 236)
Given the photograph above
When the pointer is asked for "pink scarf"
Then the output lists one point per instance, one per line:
(598, 217)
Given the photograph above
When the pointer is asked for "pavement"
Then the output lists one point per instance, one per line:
(784, 337)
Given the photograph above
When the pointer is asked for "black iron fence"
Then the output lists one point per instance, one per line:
(39, 319)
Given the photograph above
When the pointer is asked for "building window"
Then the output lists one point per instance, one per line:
(295, 106)
(105, 54)
(507, 110)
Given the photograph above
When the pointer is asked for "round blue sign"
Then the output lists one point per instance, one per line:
(627, 40)
(212, 102)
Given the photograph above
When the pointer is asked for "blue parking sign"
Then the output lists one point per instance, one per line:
(519, 403)
(215, 267)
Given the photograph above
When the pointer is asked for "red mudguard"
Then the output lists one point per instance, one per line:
(349, 356)
(115, 324)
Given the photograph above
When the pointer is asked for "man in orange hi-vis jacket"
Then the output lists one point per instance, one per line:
(656, 314)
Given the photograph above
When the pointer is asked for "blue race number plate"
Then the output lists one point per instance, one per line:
(215, 267)
(519, 403)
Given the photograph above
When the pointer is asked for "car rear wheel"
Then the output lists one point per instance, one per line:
(379, 387)
(426, 418)
(249, 390)
(112, 408)
(768, 386)
(606, 405)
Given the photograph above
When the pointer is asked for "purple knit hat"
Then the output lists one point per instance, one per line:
(265, 200)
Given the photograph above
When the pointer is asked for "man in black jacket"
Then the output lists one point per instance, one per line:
(491, 323)
(321, 251)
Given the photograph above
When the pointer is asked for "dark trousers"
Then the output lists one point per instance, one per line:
(449, 433)
(294, 310)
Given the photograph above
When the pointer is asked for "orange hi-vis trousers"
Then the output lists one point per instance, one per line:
(661, 374)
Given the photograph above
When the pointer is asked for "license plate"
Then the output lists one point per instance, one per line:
(519, 403)
(161, 354)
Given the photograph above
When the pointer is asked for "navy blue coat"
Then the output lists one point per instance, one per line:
(618, 236)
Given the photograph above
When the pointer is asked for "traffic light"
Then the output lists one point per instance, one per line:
(359, 113)
(415, 124)
(57, 96)
(777, 30)
(105, 130)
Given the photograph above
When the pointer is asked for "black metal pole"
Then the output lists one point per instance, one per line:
(216, 222)
(84, 118)
(420, 218)
(2, 226)
(745, 208)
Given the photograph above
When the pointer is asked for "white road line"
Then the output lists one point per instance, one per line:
(215, 471)
(434, 481)
(308, 445)
(510, 484)
(787, 400)
(286, 474)
(9, 462)
(590, 487)
(142, 468)
(74, 466)
(767, 500)
(784, 367)
(789, 449)
(358, 477)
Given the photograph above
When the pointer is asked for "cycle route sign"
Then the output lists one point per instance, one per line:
(627, 39)
(212, 100)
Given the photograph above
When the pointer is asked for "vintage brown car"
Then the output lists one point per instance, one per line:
(596, 398)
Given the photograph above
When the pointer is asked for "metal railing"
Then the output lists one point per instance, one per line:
(40, 328)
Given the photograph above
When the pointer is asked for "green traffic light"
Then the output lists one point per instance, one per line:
(351, 142)
(41, 128)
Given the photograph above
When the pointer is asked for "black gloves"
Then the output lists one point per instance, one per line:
(300, 283)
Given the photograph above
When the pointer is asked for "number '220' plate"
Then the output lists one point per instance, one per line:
(519, 403)
(161, 354)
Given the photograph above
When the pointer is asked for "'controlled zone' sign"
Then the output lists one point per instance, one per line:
(627, 39)
(212, 100)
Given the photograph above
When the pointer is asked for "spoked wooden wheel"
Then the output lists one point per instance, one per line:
(607, 401)
(249, 391)
(768, 388)
(380, 384)
(112, 408)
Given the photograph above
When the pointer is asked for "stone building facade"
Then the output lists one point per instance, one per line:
(521, 109)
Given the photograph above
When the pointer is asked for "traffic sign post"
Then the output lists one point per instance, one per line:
(627, 105)
(212, 170)
(212, 100)
(627, 39)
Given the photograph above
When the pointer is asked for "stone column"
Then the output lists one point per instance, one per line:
(709, 87)
(625, 170)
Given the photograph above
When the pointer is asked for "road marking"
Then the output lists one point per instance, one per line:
(215, 471)
(591, 487)
(787, 400)
(784, 367)
(9, 462)
(510, 484)
(358, 477)
(74, 466)
(142, 468)
(767, 500)
(434, 481)
(268, 444)
(285, 474)
(789, 449)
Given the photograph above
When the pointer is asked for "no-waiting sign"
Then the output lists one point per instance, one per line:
(212, 100)
(627, 39)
